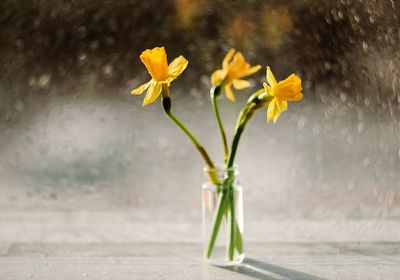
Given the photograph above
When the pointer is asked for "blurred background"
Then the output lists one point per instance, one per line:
(72, 137)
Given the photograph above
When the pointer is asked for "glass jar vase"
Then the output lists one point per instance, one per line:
(222, 215)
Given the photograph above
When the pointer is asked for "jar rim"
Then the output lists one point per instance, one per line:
(220, 167)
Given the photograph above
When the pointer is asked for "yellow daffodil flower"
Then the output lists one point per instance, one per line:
(282, 92)
(234, 68)
(156, 63)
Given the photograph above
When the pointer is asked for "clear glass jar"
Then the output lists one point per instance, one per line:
(222, 195)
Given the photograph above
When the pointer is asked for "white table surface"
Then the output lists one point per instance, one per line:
(131, 245)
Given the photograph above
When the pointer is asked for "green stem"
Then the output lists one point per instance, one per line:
(235, 145)
(232, 223)
(254, 103)
(231, 191)
(227, 196)
(194, 140)
(214, 92)
(244, 116)
(238, 239)
(221, 205)
(166, 104)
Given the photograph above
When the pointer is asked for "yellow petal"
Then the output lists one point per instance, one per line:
(239, 68)
(228, 58)
(177, 66)
(281, 104)
(252, 70)
(240, 84)
(156, 63)
(152, 93)
(140, 89)
(268, 89)
(270, 78)
(273, 111)
(278, 113)
(238, 59)
(229, 93)
(217, 77)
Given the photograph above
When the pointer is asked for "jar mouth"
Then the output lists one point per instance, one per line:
(221, 167)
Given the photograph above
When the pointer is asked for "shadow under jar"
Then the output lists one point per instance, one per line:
(222, 215)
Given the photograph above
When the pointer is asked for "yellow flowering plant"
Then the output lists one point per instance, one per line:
(274, 95)
(161, 73)
(234, 69)
(282, 92)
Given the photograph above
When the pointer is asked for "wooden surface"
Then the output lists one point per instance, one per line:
(130, 245)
